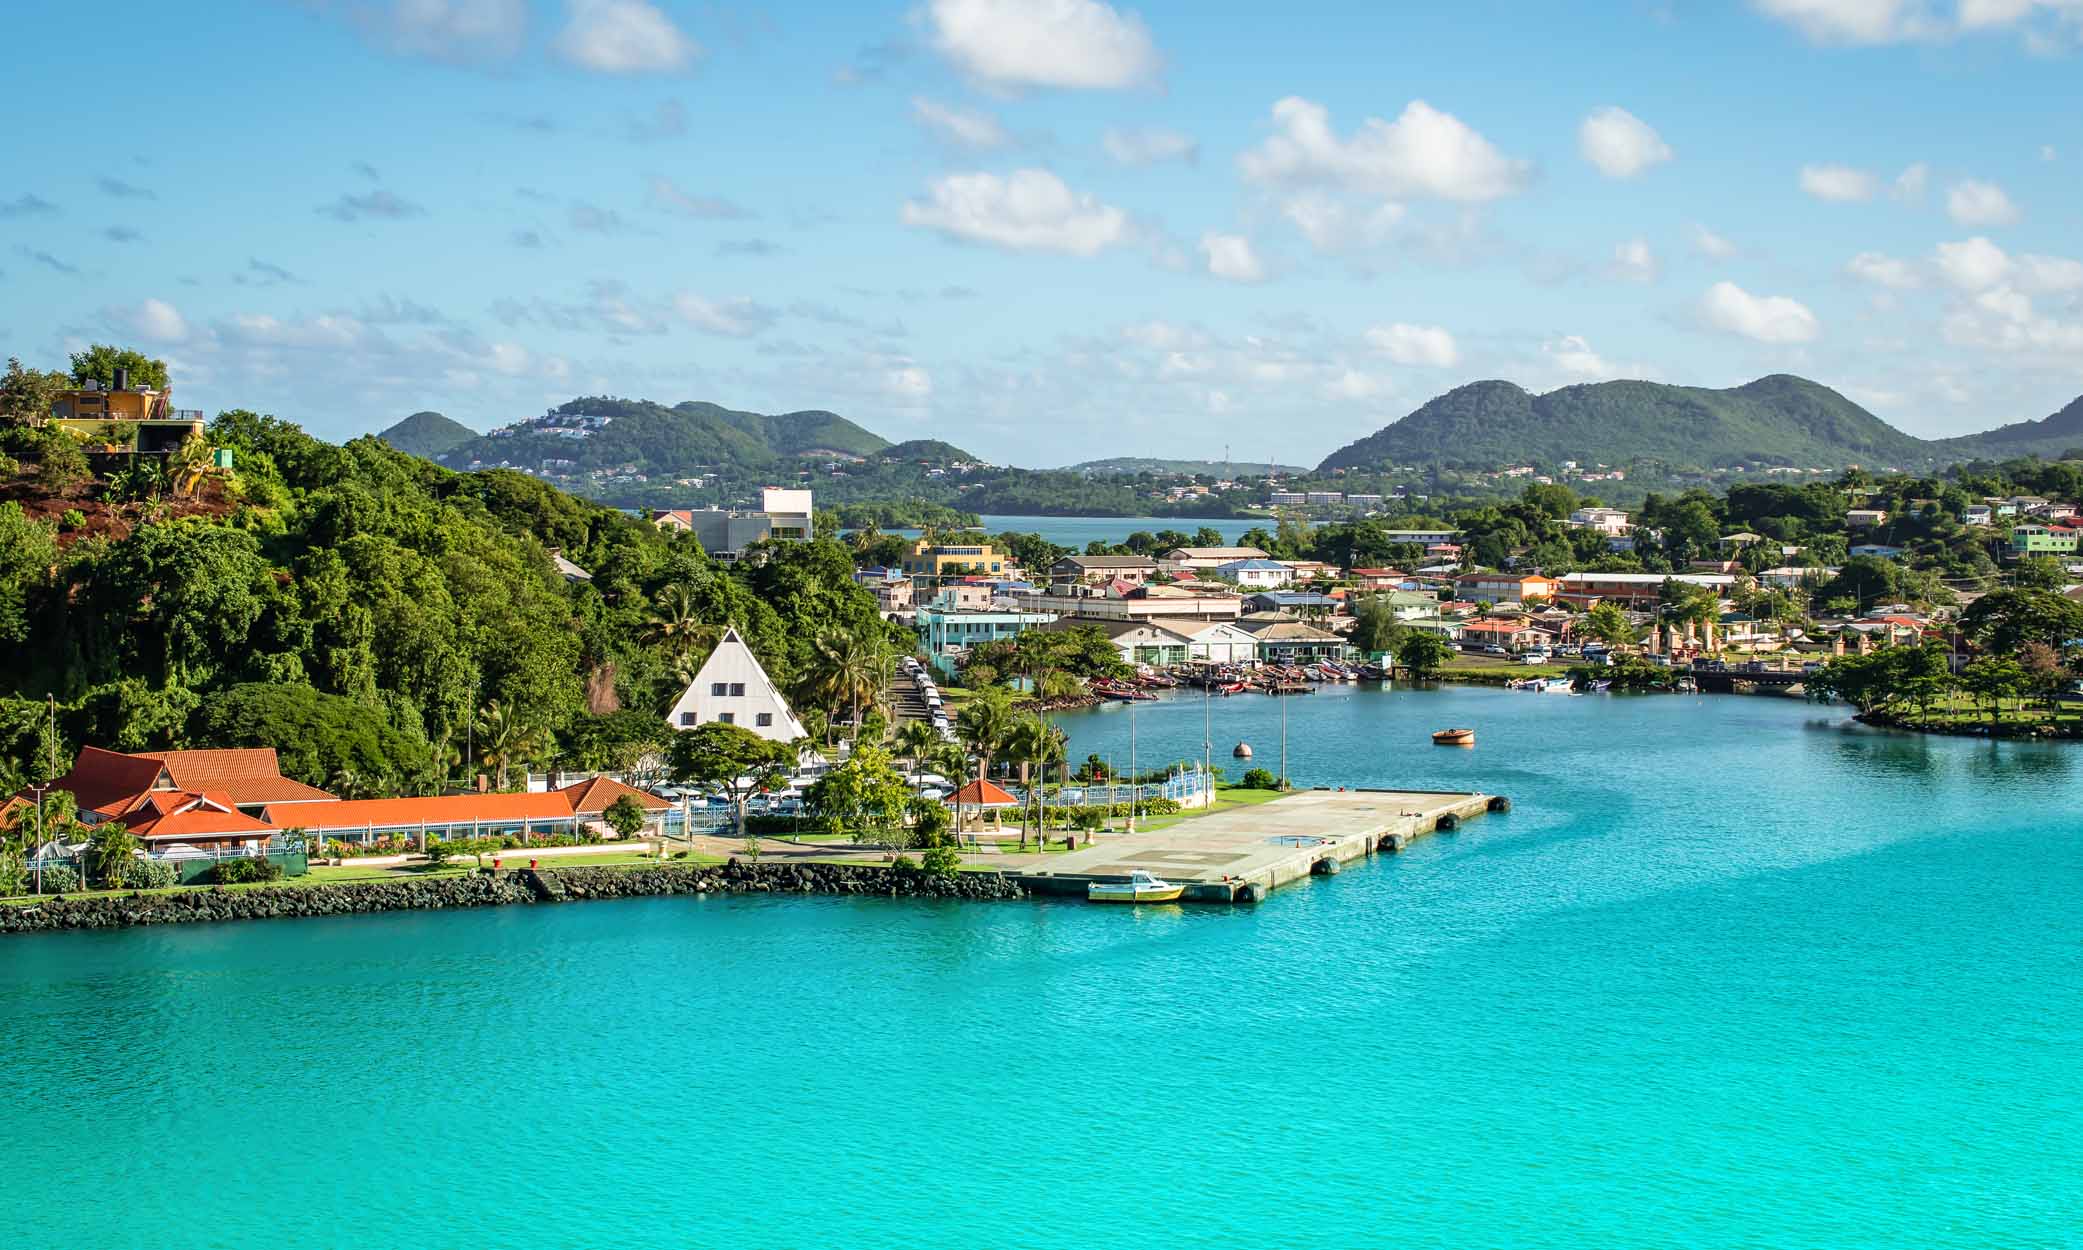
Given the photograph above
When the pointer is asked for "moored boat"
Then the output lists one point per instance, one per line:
(1454, 737)
(1141, 887)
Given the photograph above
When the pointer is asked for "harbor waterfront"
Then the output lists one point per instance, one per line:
(1730, 972)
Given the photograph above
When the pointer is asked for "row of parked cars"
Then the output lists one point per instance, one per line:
(936, 708)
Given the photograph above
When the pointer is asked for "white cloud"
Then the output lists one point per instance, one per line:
(1043, 43)
(1620, 144)
(735, 318)
(1883, 270)
(967, 128)
(1027, 210)
(1974, 203)
(1764, 318)
(667, 195)
(908, 382)
(1633, 261)
(1709, 244)
(1973, 264)
(1573, 355)
(1330, 224)
(159, 321)
(1851, 21)
(2048, 154)
(1976, 265)
(443, 30)
(1230, 256)
(1910, 183)
(1423, 153)
(1838, 184)
(624, 37)
(1408, 344)
(1355, 384)
(1149, 146)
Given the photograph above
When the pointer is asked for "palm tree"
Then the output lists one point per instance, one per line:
(916, 740)
(850, 669)
(983, 724)
(502, 740)
(676, 624)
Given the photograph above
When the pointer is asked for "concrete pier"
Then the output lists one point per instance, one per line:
(1246, 853)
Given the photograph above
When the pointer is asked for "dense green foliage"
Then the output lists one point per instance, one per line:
(384, 622)
(683, 439)
(99, 362)
(427, 434)
(1130, 466)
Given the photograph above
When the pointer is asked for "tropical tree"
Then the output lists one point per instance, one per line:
(1607, 622)
(983, 724)
(864, 795)
(1992, 679)
(1422, 654)
(99, 362)
(625, 815)
(110, 852)
(850, 669)
(676, 624)
(504, 740)
(730, 758)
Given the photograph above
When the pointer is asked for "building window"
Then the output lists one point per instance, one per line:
(726, 718)
(689, 718)
(737, 689)
(719, 687)
(766, 719)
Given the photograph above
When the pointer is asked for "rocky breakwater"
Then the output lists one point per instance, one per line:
(495, 890)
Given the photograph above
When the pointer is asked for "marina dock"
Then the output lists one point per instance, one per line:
(1245, 854)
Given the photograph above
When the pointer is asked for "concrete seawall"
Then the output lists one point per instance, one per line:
(521, 886)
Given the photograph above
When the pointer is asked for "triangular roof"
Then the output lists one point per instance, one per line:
(248, 774)
(162, 815)
(982, 793)
(733, 661)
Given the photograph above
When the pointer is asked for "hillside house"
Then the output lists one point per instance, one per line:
(125, 419)
(734, 689)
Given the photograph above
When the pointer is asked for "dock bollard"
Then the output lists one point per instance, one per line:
(1499, 803)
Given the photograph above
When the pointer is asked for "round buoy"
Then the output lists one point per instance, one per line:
(1499, 803)
(1243, 751)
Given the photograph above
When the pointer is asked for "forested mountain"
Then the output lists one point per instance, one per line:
(930, 450)
(599, 433)
(1775, 420)
(2053, 437)
(427, 434)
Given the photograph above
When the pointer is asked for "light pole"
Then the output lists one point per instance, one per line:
(39, 789)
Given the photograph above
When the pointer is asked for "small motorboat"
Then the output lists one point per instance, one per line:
(1454, 737)
(1141, 887)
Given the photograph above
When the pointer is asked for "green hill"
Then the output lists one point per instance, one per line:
(427, 434)
(1129, 466)
(2050, 437)
(600, 433)
(1779, 420)
(930, 450)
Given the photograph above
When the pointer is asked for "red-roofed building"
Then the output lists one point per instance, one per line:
(591, 798)
(442, 816)
(980, 796)
(204, 798)
(160, 818)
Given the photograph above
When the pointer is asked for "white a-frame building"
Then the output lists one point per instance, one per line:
(734, 689)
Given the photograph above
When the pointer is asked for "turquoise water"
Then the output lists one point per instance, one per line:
(1730, 974)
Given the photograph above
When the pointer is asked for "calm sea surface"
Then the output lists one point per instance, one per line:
(1731, 973)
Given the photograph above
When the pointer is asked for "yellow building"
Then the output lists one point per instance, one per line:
(125, 418)
(955, 559)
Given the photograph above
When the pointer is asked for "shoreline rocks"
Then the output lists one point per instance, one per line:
(519, 886)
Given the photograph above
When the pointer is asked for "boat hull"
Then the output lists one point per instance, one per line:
(1454, 738)
(1100, 892)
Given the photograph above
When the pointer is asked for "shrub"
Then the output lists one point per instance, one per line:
(72, 519)
(57, 879)
(905, 863)
(151, 874)
(244, 869)
(939, 860)
(437, 852)
(1260, 779)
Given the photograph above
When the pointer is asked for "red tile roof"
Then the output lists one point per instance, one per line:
(172, 815)
(595, 793)
(446, 809)
(247, 774)
(102, 779)
(982, 793)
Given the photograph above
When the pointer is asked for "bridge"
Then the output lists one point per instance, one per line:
(1723, 680)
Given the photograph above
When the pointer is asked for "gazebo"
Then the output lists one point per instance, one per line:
(980, 796)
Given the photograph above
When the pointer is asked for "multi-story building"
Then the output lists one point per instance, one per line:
(952, 559)
(125, 418)
(2043, 540)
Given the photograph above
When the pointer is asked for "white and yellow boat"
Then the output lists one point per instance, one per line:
(1141, 887)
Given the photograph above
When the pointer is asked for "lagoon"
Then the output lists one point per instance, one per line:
(1733, 972)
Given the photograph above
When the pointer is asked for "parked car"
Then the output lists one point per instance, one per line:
(1495, 649)
(1535, 657)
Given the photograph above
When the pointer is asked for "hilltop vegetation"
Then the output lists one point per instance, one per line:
(367, 608)
(682, 440)
(427, 434)
(1780, 420)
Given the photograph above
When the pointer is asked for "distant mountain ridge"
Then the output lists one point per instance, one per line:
(427, 434)
(1776, 420)
(602, 432)
(1129, 466)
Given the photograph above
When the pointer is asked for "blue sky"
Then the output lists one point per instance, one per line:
(1048, 230)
